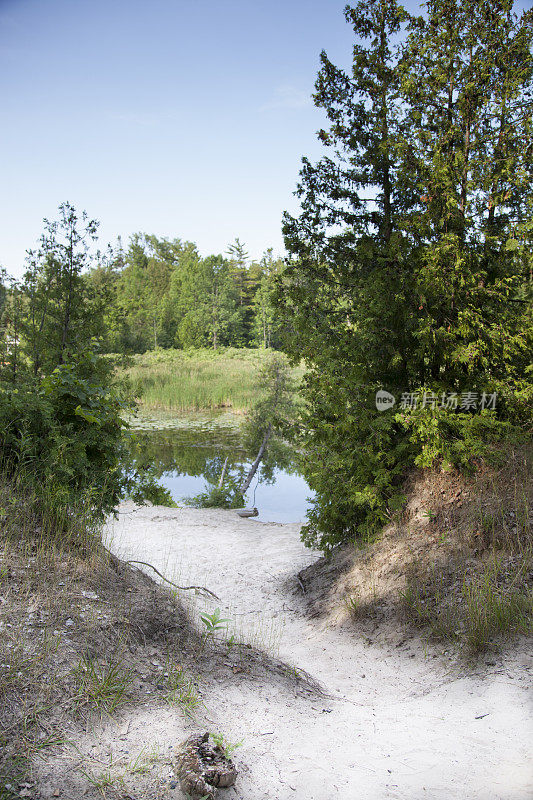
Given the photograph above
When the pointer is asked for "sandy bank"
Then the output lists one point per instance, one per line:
(395, 723)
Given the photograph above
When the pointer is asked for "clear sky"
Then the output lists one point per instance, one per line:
(183, 118)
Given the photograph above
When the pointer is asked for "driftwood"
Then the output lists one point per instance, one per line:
(202, 767)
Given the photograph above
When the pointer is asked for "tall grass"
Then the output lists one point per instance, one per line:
(494, 602)
(191, 380)
(33, 516)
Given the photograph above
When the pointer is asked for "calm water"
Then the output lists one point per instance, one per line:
(188, 451)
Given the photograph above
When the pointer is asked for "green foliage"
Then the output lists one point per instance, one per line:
(225, 496)
(61, 311)
(455, 439)
(61, 416)
(213, 622)
(411, 264)
(228, 748)
(274, 403)
(67, 435)
(161, 293)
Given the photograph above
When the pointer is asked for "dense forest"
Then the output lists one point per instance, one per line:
(162, 293)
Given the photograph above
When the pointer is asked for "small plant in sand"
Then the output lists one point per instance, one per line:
(102, 781)
(144, 761)
(190, 797)
(213, 622)
(182, 690)
(227, 747)
(352, 604)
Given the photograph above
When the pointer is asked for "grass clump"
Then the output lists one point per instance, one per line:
(103, 686)
(493, 610)
(180, 688)
(483, 605)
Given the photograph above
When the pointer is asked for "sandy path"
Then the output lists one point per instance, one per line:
(397, 724)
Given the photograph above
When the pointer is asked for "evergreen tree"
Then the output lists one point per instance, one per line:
(62, 312)
(265, 327)
(466, 152)
(408, 259)
(238, 267)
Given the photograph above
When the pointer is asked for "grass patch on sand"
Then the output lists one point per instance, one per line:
(84, 638)
(485, 594)
(456, 563)
(191, 380)
(491, 602)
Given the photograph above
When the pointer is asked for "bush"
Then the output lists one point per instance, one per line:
(65, 434)
(359, 486)
(218, 497)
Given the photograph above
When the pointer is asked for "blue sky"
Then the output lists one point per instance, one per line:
(183, 119)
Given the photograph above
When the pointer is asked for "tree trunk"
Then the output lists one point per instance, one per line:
(253, 469)
(221, 481)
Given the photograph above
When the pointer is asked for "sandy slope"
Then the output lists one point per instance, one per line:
(396, 723)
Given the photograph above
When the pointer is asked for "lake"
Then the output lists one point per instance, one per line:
(187, 453)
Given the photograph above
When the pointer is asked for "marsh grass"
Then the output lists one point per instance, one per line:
(191, 380)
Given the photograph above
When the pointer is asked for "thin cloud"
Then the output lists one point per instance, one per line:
(140, 118)
(288, 97)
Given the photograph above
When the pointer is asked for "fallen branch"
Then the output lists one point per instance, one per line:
(183, 588)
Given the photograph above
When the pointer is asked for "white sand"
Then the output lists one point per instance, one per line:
(398, 724)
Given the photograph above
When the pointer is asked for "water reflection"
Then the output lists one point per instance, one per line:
(187, 453)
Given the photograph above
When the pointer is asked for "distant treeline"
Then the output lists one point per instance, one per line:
(161, 293)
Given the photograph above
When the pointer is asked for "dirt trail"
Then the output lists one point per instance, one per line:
(394, 724)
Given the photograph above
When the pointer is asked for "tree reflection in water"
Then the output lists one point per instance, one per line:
(189, 459)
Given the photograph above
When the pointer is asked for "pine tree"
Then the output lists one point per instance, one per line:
(265, 327)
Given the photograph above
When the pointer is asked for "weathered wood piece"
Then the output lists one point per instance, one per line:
(203, 768)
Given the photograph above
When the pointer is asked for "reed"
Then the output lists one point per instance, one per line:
(193, 380)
